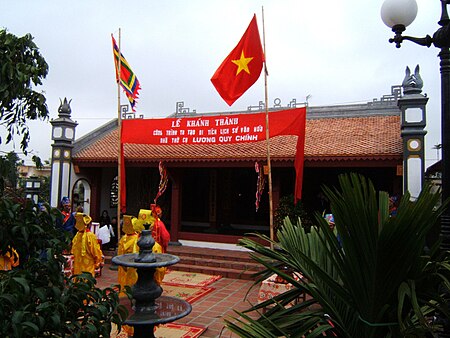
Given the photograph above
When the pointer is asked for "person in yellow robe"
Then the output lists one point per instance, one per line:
(127, 276)
(132, 227)
(9, 260)
(149, 219)
(160, 272)
(86, 251)
(159, 230)
(127, 244)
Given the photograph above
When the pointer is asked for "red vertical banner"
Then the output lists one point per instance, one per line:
(298, 164)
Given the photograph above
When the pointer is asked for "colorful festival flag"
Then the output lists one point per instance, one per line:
(242, 67)
(164, 179)
(128, 80)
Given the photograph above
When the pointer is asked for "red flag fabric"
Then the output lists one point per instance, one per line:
(298, 163)
(242, 67)
(221, 129)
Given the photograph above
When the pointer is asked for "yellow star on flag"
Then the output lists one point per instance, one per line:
(242, 63)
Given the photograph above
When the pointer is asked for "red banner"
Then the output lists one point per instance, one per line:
(221, 129)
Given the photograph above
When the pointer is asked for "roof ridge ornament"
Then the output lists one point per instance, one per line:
(412, 83)
(180, 109)
(64, 109)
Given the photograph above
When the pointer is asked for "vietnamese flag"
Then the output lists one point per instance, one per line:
(242, 67)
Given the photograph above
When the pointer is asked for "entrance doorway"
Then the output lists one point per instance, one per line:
(81, 195)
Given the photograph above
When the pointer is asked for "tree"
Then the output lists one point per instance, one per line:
(21, 68)
(44, 193)
(11, 184)
(287, 208)
(36, 299)
(376, 280)
(9, 171)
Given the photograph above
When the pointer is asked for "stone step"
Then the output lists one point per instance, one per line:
(227, 263)
(219, 263)
(234, 255)
(210, 270)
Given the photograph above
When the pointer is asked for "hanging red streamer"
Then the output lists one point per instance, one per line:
(163, 180)
(261, 182)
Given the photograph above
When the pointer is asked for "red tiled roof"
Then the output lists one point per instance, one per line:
(342, 139)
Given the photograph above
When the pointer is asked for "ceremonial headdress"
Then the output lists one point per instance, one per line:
(82, 221)
(128, 223)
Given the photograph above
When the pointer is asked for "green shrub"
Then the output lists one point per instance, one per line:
(287, 208)
(36, 299)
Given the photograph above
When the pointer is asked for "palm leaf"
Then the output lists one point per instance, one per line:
(375, 281)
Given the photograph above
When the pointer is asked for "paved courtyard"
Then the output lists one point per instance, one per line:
(210, 310)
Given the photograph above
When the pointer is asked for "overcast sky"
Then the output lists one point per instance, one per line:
(335, 51)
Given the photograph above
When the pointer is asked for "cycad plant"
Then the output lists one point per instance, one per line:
(373, 279)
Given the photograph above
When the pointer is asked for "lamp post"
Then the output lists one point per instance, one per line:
(63, 135)
(398, 14)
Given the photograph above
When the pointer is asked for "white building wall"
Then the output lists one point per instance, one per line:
(54, 198)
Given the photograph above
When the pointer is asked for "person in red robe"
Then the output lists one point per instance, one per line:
(68, 220)
(159, 233)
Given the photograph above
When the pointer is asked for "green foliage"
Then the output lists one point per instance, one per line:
(9, 174)
(21, 68)
(11, 180)
(36, 299)
(376, 281)
(37, 161)
(44, 193)
(287, 208)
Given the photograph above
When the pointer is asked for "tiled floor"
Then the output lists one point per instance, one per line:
(210, 310)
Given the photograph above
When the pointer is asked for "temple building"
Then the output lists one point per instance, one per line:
(211, 189)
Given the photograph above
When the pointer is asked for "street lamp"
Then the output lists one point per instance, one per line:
(63, 135)
(398, 14)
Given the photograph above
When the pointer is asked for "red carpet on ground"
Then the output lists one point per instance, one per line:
(189, 286)
(189, 293)
(171, 330)
(174, 277)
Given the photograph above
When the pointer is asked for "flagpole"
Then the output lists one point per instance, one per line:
(119, 157)
(269, 166)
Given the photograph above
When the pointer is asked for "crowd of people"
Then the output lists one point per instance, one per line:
(86, 255)
(88, 244)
